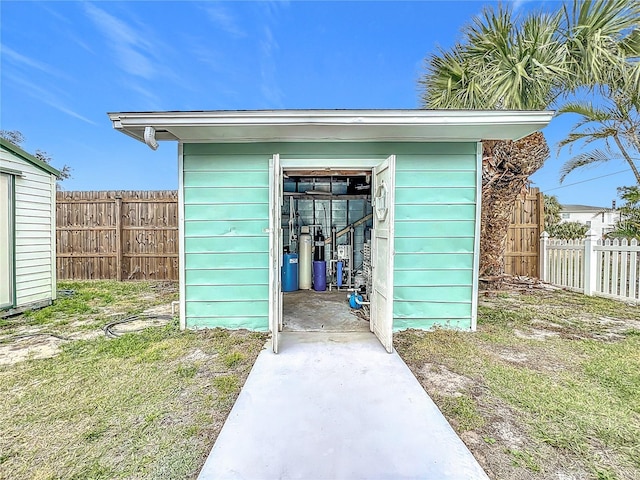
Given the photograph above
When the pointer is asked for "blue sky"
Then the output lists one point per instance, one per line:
(65, 64)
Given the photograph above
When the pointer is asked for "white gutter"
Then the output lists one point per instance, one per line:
(329, 117)
(330, 125)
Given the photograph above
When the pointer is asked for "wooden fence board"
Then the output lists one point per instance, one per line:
(523, 240)
(117, 235)
(134, 235)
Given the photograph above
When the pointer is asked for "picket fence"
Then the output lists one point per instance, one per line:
(609, 268)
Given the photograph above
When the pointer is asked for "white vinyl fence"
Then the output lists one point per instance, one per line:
(609, 268)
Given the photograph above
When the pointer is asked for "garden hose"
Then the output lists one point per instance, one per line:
(110, 333)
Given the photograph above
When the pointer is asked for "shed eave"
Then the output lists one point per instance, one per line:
(332, 125)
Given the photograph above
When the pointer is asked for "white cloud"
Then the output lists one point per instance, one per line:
(268, 69)
(221, 18)
(46, 96)
(132, 50)
(151, 100)
(18, 58)
(518, 4)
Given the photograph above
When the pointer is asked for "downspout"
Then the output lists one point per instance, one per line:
(150, 138)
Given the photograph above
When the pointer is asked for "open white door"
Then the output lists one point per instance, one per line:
(275, 250)
(383, 201)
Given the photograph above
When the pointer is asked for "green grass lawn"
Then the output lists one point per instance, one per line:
(144, 405)
(548, 386)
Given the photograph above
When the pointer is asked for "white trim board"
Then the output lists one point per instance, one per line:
(181, 253)
(476, 243)
(332, 125)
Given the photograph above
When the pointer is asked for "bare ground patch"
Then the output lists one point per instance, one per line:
(148, 404)
(547, 388)
(80, 314)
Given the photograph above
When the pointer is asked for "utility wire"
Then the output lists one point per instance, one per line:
(584, 181)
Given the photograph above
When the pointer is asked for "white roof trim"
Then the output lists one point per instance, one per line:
(332, 125)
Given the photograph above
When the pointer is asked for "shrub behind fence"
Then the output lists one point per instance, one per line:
(609, 268)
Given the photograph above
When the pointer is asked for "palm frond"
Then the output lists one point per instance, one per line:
(451, 82)
(587, 136)
(593, 36)
(586, 159)
(587, 110)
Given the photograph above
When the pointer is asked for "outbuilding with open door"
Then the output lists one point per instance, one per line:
(378, 210)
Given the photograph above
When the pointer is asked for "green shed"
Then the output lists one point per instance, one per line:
(393, 196)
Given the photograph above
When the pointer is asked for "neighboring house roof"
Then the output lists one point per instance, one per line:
(582, 208)
(329, 125)
(7, 145)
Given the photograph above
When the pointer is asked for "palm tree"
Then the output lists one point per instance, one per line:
(617, 122)
(552, 210)
(506, 62)
(629, 223)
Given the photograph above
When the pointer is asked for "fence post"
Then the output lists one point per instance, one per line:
(544, 244)
(118, 207)
(590, 262)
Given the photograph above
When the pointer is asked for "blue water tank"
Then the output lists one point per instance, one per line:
(320, 276)
(290, 272)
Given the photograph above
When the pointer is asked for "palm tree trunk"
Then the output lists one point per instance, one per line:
(628, 158)
(506, 167)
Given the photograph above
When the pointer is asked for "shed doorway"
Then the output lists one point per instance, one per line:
(332, 230)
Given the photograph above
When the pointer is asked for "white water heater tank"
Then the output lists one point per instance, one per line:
(304, 265)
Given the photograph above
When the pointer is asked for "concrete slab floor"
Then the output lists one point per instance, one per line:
(336, 406)
(311, 311)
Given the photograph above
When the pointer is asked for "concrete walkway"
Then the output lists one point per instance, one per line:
(336, 406)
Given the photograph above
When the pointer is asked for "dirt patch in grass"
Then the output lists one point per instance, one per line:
(148, 404)
(547, 388)
(80, 313)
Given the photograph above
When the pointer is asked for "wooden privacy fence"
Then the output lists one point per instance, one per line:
(117, 235)
(523, 238)
(134, 235)
(608, 269)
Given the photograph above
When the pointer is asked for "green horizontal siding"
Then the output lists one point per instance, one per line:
(431, 310)
(431, 178)
(446, 152)
(225, 212)
(430, 229)
(259, 323)
(404, 261)
(435, 278)
(442, 161)
(435, 224)
(224, 196)
(228, 245)
(222, 277)
(225, 261)
(227, 179)
(228, 228)
(439, 195)
(226, 215)
(451, 244)
(227, 308)
(228, 293)
(201, 162)
(436, 293)
(449, 211)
